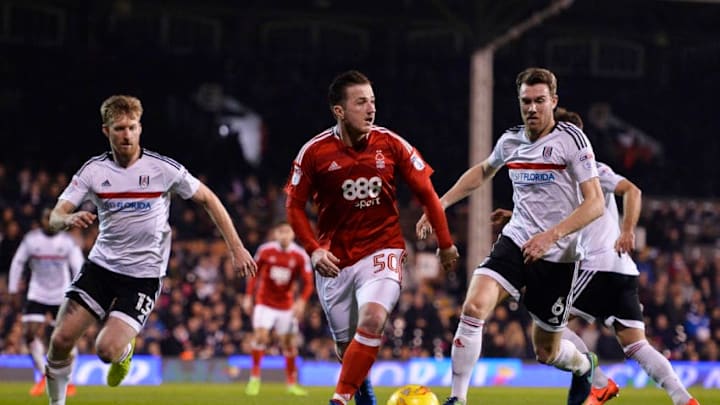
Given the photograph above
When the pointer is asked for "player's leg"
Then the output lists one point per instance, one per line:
(658, 367)
(548, 298)
(498, 277)
(336, 296)
(263, 320)
(287, 327)
(32, 333)
(483, 294)
(72, 321)
(630, 331)
(595, 302)
(376, 283)
(115, 343)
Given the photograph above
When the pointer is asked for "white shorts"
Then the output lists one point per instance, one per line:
(374, 278)
(282, 320)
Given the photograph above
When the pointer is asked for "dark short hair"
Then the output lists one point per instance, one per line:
(336, 91)
(279, 223)
(536, 75)
(562, 114)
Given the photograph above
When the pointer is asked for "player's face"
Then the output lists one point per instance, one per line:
(357, 114)
(284, 234)
(536, 107)
(124, 135)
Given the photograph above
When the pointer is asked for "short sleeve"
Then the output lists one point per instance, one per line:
(185, 184)
(609, 180)
(496, 159)
(76, 192)
(581, 163)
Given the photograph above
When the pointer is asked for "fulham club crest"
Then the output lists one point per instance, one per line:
(144, 181)
(547, 152)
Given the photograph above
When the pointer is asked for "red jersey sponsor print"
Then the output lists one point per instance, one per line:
(278, 269)
(355, 190)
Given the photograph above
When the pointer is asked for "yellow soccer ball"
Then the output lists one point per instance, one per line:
(413, 394)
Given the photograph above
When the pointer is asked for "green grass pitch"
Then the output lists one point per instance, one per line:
(272, 394)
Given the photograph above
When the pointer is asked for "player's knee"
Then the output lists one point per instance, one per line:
(373, 322)
(545, 354)
(108, 352)
(477, 308)
(61, 341)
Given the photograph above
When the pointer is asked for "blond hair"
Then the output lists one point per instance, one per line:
(119, 105)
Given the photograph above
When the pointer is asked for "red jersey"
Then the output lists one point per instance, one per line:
(277, 269)
(355, 191)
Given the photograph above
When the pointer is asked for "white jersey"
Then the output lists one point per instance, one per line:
(545, 175)
(54, 260)
(598, 238)
(133, 206)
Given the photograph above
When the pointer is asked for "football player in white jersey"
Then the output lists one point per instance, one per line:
(54, 259)
(131, 188)
(607, 290)
(538, 248)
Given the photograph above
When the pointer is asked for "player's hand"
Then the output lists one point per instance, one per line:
(423, 229)
(448, 257)
(625, 243)
(535, 248)
(298, 309)
(243, 262)
(325, 263)
(247, 304)
(500, 217)
(80, 219)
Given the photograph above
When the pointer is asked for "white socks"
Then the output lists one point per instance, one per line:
(570, 359)
(58, 377)
(600, 380)
(37, 353)
(659, 369)
(465, 354)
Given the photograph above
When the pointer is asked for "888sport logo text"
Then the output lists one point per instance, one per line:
(362, 191)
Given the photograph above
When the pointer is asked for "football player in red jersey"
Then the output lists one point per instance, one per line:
(351, 171)
(281, 262)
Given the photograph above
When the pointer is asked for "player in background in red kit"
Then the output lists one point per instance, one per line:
(351, 171)
(281, 263)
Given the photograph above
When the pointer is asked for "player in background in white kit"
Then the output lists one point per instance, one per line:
(118, 285)
(538, 248)
(608, 288)
(54, 259)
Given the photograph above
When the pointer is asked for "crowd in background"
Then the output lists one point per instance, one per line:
(199, 313)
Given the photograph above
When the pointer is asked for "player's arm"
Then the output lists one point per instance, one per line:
(17, 265)
(632, 203)
(251, 285)
(470, 181)
(500, 217)
(241, 258)
(298, 191)
(307, 287)
(63, 216)
(590, 209)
